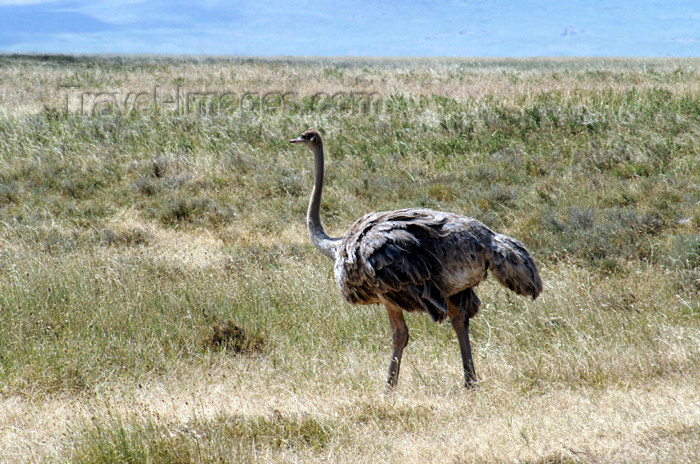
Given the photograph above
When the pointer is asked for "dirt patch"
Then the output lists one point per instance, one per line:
(233, 337)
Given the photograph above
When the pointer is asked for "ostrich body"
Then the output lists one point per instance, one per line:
(418, 260)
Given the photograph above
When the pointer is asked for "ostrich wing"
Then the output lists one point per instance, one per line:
(415, 259)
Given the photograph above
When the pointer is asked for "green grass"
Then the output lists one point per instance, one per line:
(222, 439)
(142, 251)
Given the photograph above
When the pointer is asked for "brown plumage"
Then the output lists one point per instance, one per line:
(419, 260)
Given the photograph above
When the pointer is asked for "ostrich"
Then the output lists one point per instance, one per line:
(418, 260)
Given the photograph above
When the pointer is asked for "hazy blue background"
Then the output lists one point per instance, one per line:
(513, 28)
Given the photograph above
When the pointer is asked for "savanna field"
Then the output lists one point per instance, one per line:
(160, 300)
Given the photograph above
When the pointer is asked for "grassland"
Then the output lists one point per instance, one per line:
(160, 301)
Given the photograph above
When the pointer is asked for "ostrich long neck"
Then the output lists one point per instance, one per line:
(323, 242)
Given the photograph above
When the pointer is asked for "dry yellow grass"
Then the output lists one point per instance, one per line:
(430, 418)
(658, 422)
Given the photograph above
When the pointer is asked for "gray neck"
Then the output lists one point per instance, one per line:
(323, 242)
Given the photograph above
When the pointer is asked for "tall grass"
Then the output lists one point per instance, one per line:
(149, 261)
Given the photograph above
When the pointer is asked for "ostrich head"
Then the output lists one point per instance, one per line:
(310, 137)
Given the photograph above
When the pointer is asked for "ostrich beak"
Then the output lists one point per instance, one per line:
(296, 140)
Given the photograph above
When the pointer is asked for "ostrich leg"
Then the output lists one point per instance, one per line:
(460, 323)
(399, 335)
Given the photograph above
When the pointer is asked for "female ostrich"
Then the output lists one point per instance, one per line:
(418, 260)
